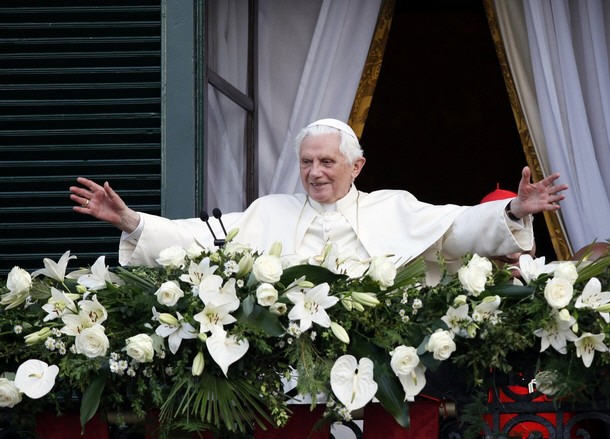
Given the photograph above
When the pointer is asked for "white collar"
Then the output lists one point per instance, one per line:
(342, 205)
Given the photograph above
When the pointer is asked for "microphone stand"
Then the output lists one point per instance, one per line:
(218, 242)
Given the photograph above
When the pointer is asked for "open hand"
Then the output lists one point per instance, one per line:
(536, 197)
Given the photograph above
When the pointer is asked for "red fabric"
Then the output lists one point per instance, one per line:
(498, 194)
(151, 426)
(424, 422)
(300, 425)
(523, 429)
(50, 426)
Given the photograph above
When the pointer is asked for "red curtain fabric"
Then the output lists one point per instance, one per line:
(300, 425)
(51, 426)
(424, 422)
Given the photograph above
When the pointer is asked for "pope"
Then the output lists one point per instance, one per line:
(333, 218)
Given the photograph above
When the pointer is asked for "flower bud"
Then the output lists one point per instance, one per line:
(232, 234)
(471, 330)
(459, 300)
(305, 284)
(168, 319)
(38, 336)
(575, 328)
(564, 315)
(347, 303)
(339, 332)
(81, 288)
(603, 308)
(245, 265)
(278, 308)
(202, 336)
(276, 249)
(367, 299)
(357, 306)
(198, 364)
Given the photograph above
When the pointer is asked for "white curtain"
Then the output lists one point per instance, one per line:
(311, 55)
(568, 55)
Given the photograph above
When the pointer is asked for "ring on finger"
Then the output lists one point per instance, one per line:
(86, 203)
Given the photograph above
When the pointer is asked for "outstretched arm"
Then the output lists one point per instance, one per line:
(536, 197)
(103, 203)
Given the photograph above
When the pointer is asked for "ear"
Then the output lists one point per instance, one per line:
(357, 167)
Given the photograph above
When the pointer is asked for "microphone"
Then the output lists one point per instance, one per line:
(205, 217)
(217, 214)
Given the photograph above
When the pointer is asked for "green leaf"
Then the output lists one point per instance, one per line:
(412, 271)
(247, 305)
(260, 318)
(91, 399)
(312, 273)
(389, 390)
(509, 290)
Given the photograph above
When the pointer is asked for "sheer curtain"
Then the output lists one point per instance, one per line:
(565, 63)
(311, 56)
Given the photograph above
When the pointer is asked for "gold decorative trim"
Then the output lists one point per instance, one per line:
(372, 67)
(556, 232)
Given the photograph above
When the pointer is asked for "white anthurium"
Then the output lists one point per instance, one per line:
(531, 268)
(75, 323)
(311, 306)
(413, 382)
(557, 333)
(211, 292)
(58, 305)
(225, 350)
(198, 272)
(592, 297)
(587, 344)
(98, 276)
(487, 310)
(55, 270)
(94, 309)
(352, 381)
(35, 378)
(457, 319)
(215, 316)
(176, 333)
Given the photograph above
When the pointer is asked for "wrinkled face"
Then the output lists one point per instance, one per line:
(326, 174)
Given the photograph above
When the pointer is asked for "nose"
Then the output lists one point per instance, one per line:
(316, 169)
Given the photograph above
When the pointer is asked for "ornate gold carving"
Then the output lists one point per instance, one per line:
(372, 67)
(556, 232)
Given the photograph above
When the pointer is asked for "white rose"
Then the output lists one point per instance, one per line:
(172, 257)
(480, 263)
(18, 280)
(278, 308)
(92, 342)
(194, 250)
(558, 292)
(441, 344)
(567, 271)
(383, 271)
(404, 360)
(169, 293)
(472, 279)
(267, 268)
(9, 393)
(266, 295)
(140, 348)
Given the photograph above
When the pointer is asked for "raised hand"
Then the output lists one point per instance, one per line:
(103, 203)
(536, 197)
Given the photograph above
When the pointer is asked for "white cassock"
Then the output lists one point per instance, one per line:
(361, 225)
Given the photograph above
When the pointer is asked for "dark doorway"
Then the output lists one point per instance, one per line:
(440, 124)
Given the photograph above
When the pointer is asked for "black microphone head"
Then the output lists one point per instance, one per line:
(203, 215)
(216, 212)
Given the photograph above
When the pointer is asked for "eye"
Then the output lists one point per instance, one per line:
(328, 162)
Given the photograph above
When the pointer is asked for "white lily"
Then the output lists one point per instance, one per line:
(58, 305)
(413, 382)
(176, 333)
(94, 309)
(75, 323)
(487, 310)
(35, 378)
(225, 350)
(587, 344)
(99, 275)
(198, 272)
(531, 268)
(214, 316)
(55, 270)
(352, 381)
(457, 319)
(310, 307)
(557, 333)
(211, 291)
(592, 297)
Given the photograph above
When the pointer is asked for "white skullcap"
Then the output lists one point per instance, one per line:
(335, 123)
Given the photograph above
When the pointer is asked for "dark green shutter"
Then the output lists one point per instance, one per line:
(79, 96)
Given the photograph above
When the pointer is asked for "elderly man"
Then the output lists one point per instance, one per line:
(357, 225)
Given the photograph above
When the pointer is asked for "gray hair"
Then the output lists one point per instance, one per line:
(348, 145)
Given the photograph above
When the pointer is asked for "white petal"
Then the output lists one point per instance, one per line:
(353, 389)
(225, 350)
(35, 378)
